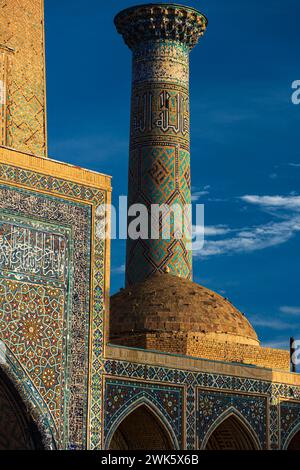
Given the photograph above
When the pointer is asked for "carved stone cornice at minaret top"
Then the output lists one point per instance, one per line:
(161, 21)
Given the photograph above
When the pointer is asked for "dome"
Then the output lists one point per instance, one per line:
(168, 304)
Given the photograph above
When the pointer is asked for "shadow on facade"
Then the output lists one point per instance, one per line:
(231, 434)
(141, 430)
(17, 429)
(295, 442)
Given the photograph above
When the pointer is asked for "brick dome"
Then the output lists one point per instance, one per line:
(171, 307)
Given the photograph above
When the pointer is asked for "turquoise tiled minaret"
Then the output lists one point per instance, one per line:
(161, 37)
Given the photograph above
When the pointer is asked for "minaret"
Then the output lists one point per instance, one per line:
(161, 37)
(22, 76)
(167, 311)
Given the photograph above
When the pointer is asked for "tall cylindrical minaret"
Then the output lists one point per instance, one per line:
(161, 37)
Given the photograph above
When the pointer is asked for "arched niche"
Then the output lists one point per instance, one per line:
(18, 430)
(141, 429)
(231, 433)
(294, 440)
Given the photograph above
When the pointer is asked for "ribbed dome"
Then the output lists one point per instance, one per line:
(166, 303)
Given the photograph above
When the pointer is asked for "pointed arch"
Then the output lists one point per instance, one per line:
(292, 442)
(233, 420)
(148, 407)
(22, 387)
(17, 428)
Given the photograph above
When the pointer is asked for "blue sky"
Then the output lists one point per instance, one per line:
(245, 140)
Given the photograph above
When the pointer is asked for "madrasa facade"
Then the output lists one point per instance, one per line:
(163, 364)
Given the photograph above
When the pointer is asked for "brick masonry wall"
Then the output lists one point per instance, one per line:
(198, 346)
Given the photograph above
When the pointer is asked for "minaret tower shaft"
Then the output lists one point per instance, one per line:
(161, 37)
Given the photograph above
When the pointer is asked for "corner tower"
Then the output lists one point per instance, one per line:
(161, 37)
(22, 76)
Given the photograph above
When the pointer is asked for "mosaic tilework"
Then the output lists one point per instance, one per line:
(31, 324)
(35, 405)
(22, 30)
(274, 425)
(97, 328)
(289, 421)
(160, 149)
(255, 394)
(122, 396)
(48, 183)
(159, 166)
(212, 405)
(39, 295)
(169, 62)
(160, 109)
(74, 215)
(28, 253)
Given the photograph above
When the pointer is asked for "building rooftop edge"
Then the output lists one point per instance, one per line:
(199, 364)
(11, 156)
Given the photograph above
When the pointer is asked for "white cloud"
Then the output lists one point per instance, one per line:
(258, 237)
(280, 202)
(290, 310)
(119, 269)
(211, 230)
(196, 195)
(251, 239)
(295, 165)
